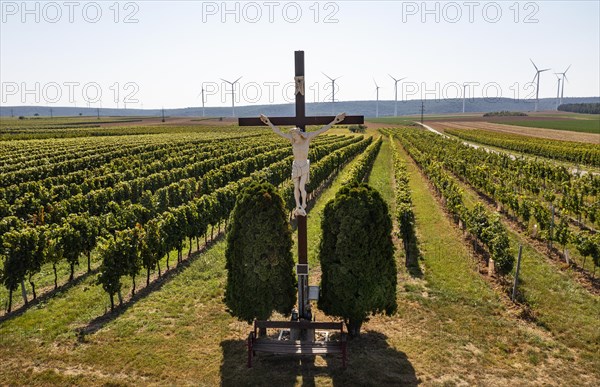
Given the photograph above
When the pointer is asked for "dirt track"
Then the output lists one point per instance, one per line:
(552, 134)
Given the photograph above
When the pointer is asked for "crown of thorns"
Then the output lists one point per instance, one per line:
(298, 131)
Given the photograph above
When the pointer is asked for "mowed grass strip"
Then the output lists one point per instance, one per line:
(382, 174)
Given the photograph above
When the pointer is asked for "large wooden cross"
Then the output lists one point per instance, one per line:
(300, 121)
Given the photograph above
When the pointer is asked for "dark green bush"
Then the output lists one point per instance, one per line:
(357, 257)
(260, 265)
(505, 113)
(357, 128)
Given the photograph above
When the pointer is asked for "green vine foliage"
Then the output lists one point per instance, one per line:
(120, 256)
(180, 194)
(19, 250)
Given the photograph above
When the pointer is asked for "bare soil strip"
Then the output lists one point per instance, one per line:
(552, 134)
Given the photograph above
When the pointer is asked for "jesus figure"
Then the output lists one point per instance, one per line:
(300, 167)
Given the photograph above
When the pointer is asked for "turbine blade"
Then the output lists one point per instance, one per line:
(567, 69)
(225, 80)
(393, 78)
(536, 69)
(541, 71)
(237, 80)
(331, 79)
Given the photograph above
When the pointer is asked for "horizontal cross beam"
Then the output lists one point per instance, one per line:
(293, 121)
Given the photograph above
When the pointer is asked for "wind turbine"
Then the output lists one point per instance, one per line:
(232, 94)
(562, 90)
(537, 89)
(377, 103)
(396, 94)
(202, 94)
(557, 91)
(464, 95)
(332, 92)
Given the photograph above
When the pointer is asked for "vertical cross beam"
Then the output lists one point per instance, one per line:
(302, 262)
(302, 232)
(300, 101)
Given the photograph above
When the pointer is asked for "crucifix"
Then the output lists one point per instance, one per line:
(299, 133)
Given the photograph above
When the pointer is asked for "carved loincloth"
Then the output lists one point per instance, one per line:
(301, 168)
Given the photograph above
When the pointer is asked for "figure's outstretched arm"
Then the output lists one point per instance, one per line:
(266, 121)
(339, 118)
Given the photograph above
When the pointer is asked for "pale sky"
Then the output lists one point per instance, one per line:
(161, 53)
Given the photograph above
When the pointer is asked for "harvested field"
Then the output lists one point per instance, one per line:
(534, 132)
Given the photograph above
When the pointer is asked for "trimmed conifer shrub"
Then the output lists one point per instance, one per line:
(357, 257)
(259, 261)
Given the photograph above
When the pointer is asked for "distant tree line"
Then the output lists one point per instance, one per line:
(357, 128)
(589, 108)
(505, 113)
